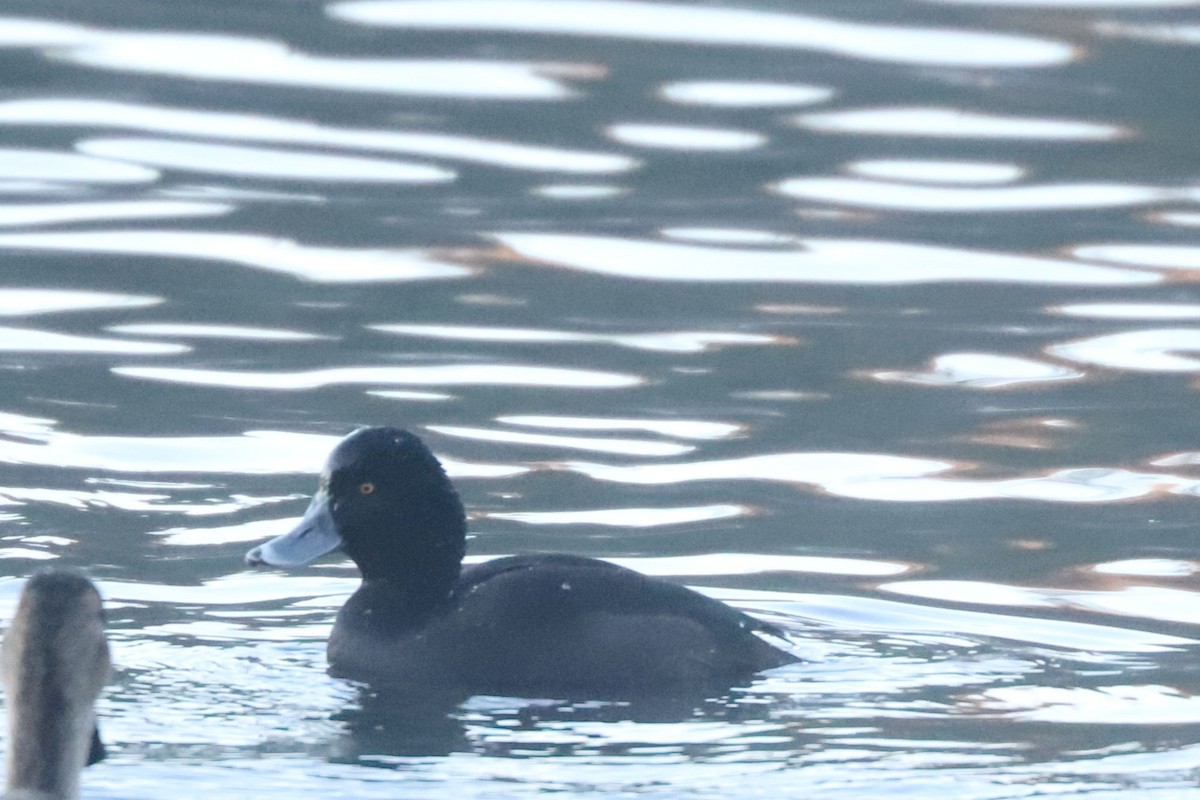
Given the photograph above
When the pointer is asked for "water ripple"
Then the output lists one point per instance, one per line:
(730, 236)
(255, 452)
(1108, 705)
(625, 517)
(262, 162)
(578, 191)
(256, 127)
(736, 94)
(1184, 219)
(1155, 256)
(243, 59)
(863, 613)
(21, 164)
(830, 470)
(200, 331)
(981, 371)
(815, 261)
(1147, 311)
(1171, 34)
(1072, 485)
(670, 342)
(27, 302)
(258, 530)
(252, 453)
(681, 428)
(956, 200)
(318, 264)
(632, 447)
(434, 375)
(1076, 4)
(1159, 567)
(931, 171)
(21, 425)
(126, 501)
(1154, 350)
(27, 340)
(684, 137)
(869, 476)
(1144, 602)
(17, 32)
(953, 123)
(26, 214)
(660, 22)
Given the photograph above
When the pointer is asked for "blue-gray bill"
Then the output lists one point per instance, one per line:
(314, 536)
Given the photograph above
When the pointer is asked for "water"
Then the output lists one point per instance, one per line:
(876, 319)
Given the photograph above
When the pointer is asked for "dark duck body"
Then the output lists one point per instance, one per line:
(525, 625)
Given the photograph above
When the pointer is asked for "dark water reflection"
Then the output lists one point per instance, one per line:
(876, 320)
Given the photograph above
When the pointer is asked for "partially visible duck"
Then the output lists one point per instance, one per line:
(533, 625)
(54, 662)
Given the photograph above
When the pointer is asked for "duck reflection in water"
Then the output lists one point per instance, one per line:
(532, 625)
(387, 725)
(55, 662)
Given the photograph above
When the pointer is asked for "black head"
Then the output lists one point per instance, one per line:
(385, 500)
(390, 495)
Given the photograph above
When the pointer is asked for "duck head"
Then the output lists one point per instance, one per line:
(384, 500)
(54, 661)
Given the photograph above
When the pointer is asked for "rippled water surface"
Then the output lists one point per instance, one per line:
(876, 319)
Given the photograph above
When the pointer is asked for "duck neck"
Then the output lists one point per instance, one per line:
(394, 607)
(48, 738)
(412, 585)
(413, 570)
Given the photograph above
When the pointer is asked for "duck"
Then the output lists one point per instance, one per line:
(540, 625)
(54, 662)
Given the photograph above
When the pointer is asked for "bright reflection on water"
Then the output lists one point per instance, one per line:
(28, 340)
(982, 371)
(1142, 350)
(675, 341)
(712, 26)
(1084, 4)
(953, 172)
(319, 264)
(625, 517)
(816, 261)
(876, 320)
(212, 331)
(1132, 310)
(262, 162)
(682, 428)
(260, 128)
(630, 447)
(21, 164)
(22, 214)
(856, 192)
(678, 137)
(438, 375)
(24, 302)
(243, 59)
(732, 94)
(945, 123)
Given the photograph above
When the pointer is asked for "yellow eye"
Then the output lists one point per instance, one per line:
(366, 488)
